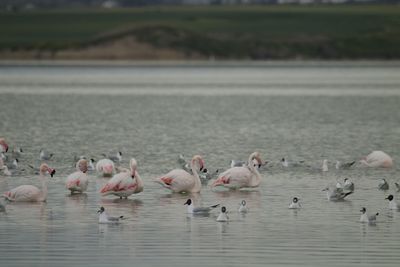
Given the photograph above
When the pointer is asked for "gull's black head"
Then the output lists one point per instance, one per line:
(295, 200)
(52, 172)
(363, 210)
(205, 170)
(390, 197)
(223, 209)
(244, 202)
(101, 210)
(188, 202)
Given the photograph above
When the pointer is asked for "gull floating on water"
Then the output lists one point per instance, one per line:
(325, 165)
(392, 203)
(91, 166)
(347, 187)
(383, 185)
(117, 157)
(377, 159)
(198, 210)
(344, 166)
(397, 187)
(243, 208)
(336, 194)
(223, 216)
(367, 219)
(105, 218)
(13, 165)
(44, 155)
(295, 204)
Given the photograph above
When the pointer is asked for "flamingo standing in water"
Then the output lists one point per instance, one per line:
(3, 145)
(377, 159)
(241, 177)
(30, 193)
(79, 180)
(125, 183)
(180, 181)
(105, 167)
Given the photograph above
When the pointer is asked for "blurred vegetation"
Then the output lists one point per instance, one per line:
(229, 32)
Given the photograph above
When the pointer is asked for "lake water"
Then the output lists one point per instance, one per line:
(154, 112)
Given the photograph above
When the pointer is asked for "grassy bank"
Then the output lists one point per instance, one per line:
(254, 32)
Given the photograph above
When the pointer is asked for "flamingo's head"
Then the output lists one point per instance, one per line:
(82, 165)
(199, 161)
(133, 165)
(4, 144)
(45, 168)
(256, 158)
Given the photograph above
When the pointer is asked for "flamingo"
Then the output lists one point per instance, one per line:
(30, 193)
(124, 183)
(3, 145)
(105, 167)
(180, 181)
(79, 180)
(241, 177)
(377, 159)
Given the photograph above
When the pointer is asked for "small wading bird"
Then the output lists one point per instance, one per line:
(295, 204)
(223, 216)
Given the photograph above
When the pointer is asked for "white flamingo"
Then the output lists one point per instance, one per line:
(105, 167)
(125, 183)
(3, 145)
(180, 181)
(79, 180)
(30, 193)
(240, 177)
(377, 159)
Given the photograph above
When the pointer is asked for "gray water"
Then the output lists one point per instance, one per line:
(301, 111)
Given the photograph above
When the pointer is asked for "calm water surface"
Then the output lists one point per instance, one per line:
(301, 111)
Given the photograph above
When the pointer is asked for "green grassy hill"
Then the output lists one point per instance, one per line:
(252, 32)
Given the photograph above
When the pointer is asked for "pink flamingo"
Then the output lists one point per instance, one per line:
(179, 180)
(240, 177)
(377, 159)
(125, 183)
(3, 145)
(30, 193)
(105, 167)
(79, 180)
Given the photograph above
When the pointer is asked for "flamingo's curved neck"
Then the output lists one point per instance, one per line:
(197, 182)
(44, 186)
(139, 181)
(255, 178)
(364, 162)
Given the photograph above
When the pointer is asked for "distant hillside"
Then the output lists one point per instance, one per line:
(230, 32)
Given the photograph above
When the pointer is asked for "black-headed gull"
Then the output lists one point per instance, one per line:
(105, 218)
(344, 166)
(383, 185)
(44, 155)
(335, 194)
(223, 216)
(117, 157)
(367, 219)
(242, 207)
(295, 204)
(198, 210)
(392, 203)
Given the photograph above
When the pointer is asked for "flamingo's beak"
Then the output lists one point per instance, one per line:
(52, 172)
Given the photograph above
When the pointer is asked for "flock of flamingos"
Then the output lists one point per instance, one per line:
(127, 181)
